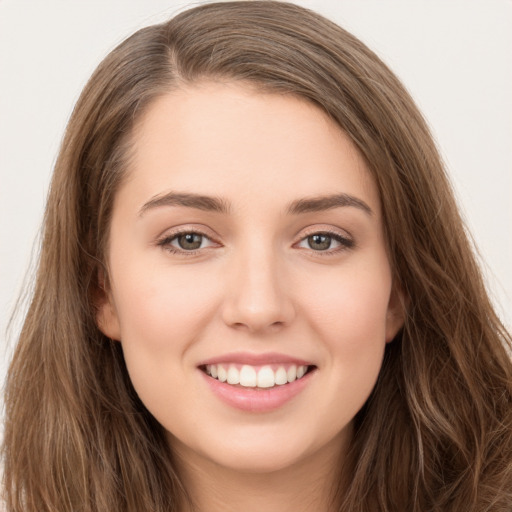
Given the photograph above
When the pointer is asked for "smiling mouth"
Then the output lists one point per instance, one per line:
(263, 377)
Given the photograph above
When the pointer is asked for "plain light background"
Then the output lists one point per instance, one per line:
(454, 56)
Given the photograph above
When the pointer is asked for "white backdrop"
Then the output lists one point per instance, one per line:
(453, 55)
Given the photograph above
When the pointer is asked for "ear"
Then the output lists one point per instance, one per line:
(395, 316)
(107, 318)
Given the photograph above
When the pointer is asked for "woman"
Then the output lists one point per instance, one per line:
(255, 290)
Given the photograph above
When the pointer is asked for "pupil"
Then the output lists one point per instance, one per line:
(319, 242)
(190, 241)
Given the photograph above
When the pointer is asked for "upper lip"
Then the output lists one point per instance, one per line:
(255, 359)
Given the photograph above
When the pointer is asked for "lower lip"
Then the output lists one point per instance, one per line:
(257, 399)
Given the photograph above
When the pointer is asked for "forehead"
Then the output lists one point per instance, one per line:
(230, 140)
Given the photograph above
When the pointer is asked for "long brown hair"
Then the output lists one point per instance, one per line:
(436, 433)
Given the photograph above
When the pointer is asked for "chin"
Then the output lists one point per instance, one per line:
(271, 459)
(260, 451)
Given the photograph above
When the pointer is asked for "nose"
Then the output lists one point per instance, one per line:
(257, 299)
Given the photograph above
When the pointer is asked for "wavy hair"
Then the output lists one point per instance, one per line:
(436, 432)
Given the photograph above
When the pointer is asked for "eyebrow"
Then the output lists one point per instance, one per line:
(322, 203)
(200, 202)
(218, 205)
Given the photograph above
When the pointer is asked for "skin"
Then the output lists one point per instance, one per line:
(256, 285)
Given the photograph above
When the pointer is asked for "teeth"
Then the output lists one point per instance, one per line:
(281, 377)
(233, 375)
(249, 376)
(222, 374)
(266, 377)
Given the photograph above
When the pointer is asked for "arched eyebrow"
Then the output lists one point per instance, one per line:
(322, 203)
(218, 205)
(200, 202)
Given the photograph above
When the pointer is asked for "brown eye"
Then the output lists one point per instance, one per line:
(319, 242)
(326, 242)
(189, 241)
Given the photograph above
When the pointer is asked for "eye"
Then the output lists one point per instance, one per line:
(325, 242)
(186, 241)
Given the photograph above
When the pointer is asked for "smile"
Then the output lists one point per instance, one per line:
(257, 383)
(267, 376)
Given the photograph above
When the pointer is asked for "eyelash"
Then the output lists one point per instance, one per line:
(165, 242)
(345, 242)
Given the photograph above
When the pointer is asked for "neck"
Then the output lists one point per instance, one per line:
(309, 484)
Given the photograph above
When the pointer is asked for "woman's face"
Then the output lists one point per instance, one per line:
(247, 248)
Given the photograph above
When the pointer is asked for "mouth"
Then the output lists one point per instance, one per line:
(257, 377)
(257, 383)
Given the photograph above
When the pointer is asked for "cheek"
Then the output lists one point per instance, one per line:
(351, 305)
(161, 314)
(348, 310)
(346, 316)
(161, 309)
